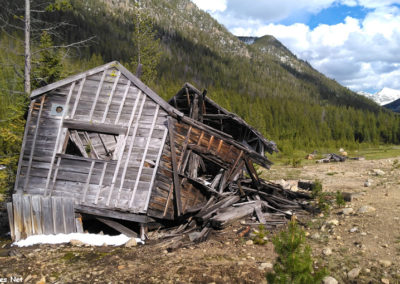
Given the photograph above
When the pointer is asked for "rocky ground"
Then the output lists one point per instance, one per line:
(359, 243)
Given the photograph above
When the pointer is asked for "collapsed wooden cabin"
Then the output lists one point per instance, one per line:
(104, 144)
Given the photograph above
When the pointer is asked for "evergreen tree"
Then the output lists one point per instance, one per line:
(48, 67)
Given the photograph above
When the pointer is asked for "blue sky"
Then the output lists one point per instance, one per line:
(356, 42)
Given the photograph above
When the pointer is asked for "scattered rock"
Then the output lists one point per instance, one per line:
(367, 183)
(385, 263)
(378, 172)
(367, 270)
(329, 280)
(266, 265)
(347, 211)
(76, 243)
(131, 243)
(385, 281)
(249, 242)
(333, 222)
(327, 251)
(353, 274)
(353, 230)
(366, 209)
(315, 236)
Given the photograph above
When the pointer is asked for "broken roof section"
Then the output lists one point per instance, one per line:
(212, 114)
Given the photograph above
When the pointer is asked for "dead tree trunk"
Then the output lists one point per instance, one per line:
(27, 73)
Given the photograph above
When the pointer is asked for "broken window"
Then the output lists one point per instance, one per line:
(92, 144)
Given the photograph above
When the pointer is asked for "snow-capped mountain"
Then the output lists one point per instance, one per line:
(384, 96)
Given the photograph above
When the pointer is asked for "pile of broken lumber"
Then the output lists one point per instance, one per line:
(271, 204)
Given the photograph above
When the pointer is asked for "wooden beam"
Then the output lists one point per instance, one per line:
(94, 127)
(97, 94)
(121, 106)
(146, 149)
(86, 186)
(177, 188)
(103, 172)
(59, 133)
(28, 171)
(111, 97)
(153, 176)
(21, 154)
(113, 214)
(118, 227)
(78, 97)
(124, 144)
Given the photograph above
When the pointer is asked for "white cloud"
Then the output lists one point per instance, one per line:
(362, 54)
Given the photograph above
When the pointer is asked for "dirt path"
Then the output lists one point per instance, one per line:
(368, 241)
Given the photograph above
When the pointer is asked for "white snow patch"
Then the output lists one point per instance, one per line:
(89, 239)
(384, 96)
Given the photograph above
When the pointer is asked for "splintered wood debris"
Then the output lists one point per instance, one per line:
(110, 150)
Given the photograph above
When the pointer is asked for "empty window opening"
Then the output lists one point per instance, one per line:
(92, 145)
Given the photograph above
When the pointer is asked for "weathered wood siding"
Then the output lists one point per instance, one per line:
(190, 140)
(105, 100)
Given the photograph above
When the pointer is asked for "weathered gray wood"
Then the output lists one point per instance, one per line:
(36, 215)
(18, 215)
(47, 216)
(124, 142)
(143, 158)
(122, 103)
(118, 227)
(79, 224)
(153, 177)
(208, 212)
(94, 127)
(259, 214)
(97, 95)
(58, 215)
(26, 215)
(11, 219)
(85, 189)
(114, 214)
(77, 97)
(59, 132)
(101, 182)
(111, 97)
(231, 214)
(54, 177)
(34, 142)
(28, 121)
(68, 80)
(69, 215)
(177, 188)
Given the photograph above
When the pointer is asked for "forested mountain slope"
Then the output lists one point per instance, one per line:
(281, 95)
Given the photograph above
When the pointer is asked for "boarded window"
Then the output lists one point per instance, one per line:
(92, 145)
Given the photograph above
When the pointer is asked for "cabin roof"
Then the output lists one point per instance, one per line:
(232, 118)
(114, 64)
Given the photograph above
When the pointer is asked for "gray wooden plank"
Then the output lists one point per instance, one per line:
(34, 141)
(143, 158)
(10, 214)
(77, 97)
(47, 216)
(85, 189)
(177, 189)
(100, 85)
(58, 215)
(101, 182)
(123, 147)
(122, 103)
(36, 215)
(118, 227)
(69, 215)
(59, 133)
(28, 121)
(17, 213)
(111, 97)
(27, 215)
(153, 177)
